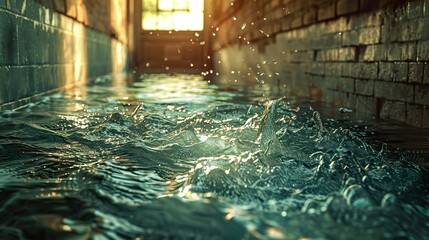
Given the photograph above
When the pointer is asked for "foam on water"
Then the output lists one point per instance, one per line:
(192, 160)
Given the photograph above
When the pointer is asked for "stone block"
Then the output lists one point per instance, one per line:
(326, 11)
(333, 69)
(386, 71)
(296, 21)
(426, 9)
(365, 87)
(409, 52)
(365, 106)
(395, 51)
(400, 71)
(310, 16)
(346, 85)
(346, 69)
(350, 38)
(365, 4)
(414, 115)
(426, 73)
(415, 72)
(386, 36)
(423, 51)
(417, 29)
(16, 6)
(394, 91)
(59, 6)
(351, 101)
(4, 91)
(415, 9)
(8, 39)
(17, 82)
(394, 110)
(372, 53)
(33, 10)
(347, 54)
(331, 83)
(26, 42)
(347, 7)
(316, 69)
(397, 72)
(71, 8)
(370, 35)
(425, 120)
(365, 70)
(422, 94)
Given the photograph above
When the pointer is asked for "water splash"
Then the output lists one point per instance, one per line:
(171, 156)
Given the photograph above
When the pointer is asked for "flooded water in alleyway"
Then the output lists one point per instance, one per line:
(174, 157)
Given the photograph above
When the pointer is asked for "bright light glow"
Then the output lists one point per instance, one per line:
(179, 15)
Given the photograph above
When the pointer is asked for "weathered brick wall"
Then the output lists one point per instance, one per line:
(367, 55)
(45, 48)
(106, 16)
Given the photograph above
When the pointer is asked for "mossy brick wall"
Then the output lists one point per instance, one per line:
(372, 56)
(45, 47)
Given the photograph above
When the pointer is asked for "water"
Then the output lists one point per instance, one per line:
(173, 157)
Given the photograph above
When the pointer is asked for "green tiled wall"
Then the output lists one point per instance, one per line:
(40, 51)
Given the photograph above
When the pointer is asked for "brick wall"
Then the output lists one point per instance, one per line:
(46, 46)
(106, 16)
(372, 56)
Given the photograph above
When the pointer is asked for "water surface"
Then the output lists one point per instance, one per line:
(174, 157)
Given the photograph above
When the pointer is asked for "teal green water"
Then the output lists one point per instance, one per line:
(174, 157)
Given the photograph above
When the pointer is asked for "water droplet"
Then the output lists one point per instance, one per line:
(208, 57)
(197, 34)
(234, 18)
(202, 43)
(191, 65)
(217, 29)
(147, 64)
(243, 26)
(167, 68)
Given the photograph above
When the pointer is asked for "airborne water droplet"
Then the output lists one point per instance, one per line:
(243, 26)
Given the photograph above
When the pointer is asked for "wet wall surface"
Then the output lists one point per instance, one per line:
(366, 55)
